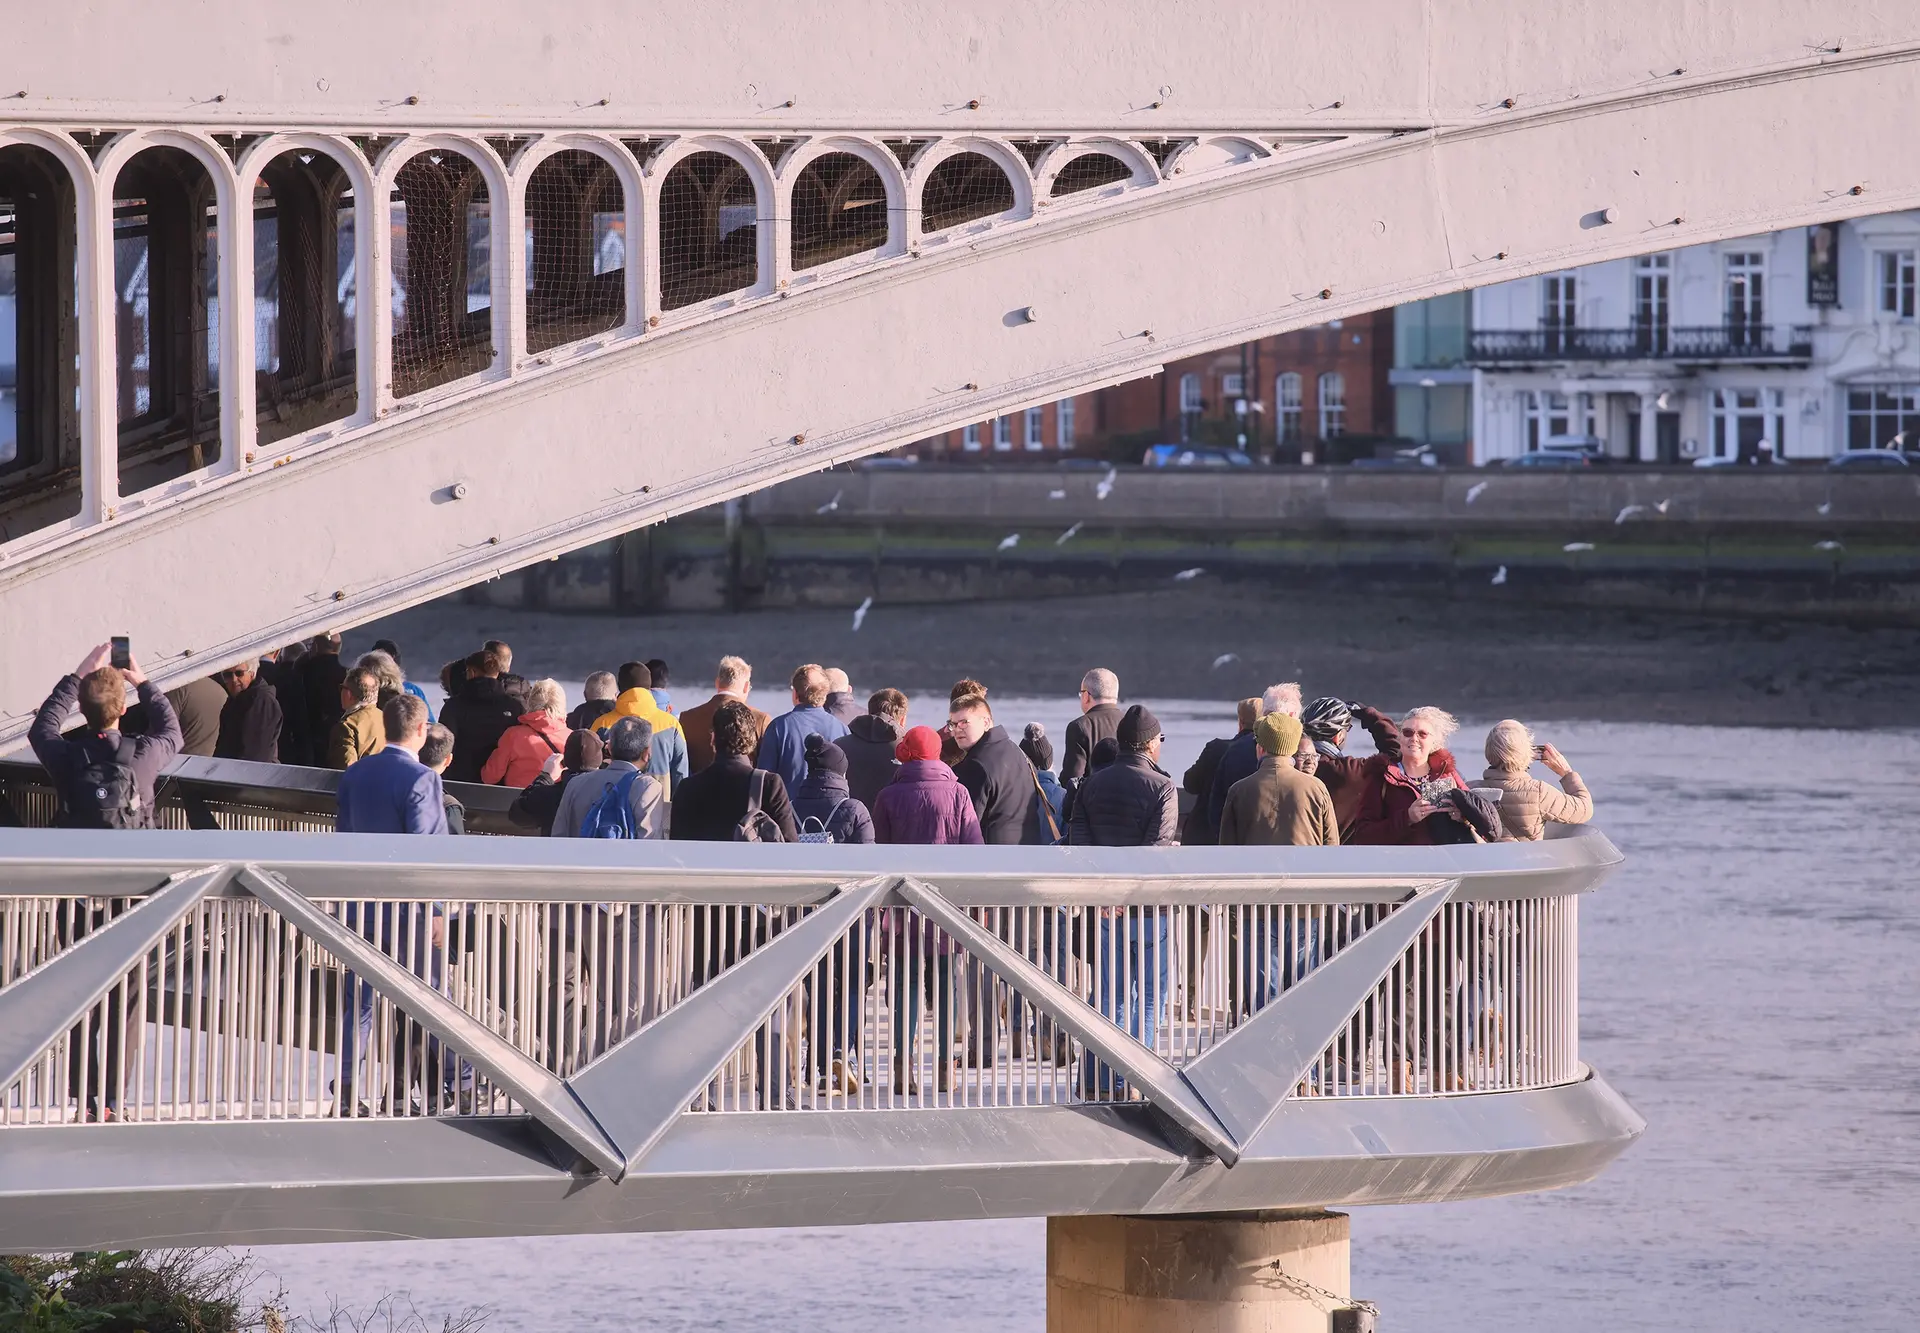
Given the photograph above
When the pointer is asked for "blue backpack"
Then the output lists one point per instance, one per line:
(612, 815)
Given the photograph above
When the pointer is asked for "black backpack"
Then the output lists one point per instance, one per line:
(104, 793)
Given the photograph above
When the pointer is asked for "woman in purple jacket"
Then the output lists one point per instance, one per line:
(924, 804)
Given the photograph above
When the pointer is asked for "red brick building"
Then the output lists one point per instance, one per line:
(1299, 389)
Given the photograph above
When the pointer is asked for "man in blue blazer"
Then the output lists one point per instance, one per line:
(391, 791)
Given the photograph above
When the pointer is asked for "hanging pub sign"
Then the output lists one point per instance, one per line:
(1823, 264)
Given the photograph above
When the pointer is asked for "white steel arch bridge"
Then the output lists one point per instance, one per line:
(994, 209)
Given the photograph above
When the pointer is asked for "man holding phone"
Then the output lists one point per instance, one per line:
(104, 779)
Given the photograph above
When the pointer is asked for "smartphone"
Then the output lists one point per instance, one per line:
(122, 653)
(1539, 752)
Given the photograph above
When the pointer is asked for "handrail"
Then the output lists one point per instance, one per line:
(378, 867)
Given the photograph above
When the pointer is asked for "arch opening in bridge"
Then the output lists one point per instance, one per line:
(840, 209)
(577, 250)
(1090, 171)
(306, 348)
(167, 255)
(965, 188)
(709, 241)
(40, 481)
(441, 221)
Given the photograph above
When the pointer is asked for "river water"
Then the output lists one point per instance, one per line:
(1750, 981)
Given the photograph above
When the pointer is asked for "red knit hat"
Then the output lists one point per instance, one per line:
(918, 743)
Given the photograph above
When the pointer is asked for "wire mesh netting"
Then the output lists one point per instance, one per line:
(39, 416)
(442, 246)
(964, 188)
(303, 295)
(709, 230)
(839, 209)
(576, 250)
(1090, 171)
(166, 272)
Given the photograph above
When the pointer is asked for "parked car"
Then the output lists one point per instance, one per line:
(1715, 460)
(1868, 460)
(1193, 455)
(1419, 456)
(1542, 461)
(885, 463)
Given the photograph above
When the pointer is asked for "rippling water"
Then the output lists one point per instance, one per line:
(1750, 981)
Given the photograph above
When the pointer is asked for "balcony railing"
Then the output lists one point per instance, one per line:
(1726, 342)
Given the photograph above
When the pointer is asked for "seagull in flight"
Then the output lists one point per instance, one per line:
(1008, 542)
(1662, 505)
(1225, 658)
(1105, 488)
(1188, 575)
(1577, 546)
(1824, 507)
(1499, 576)
(1474, 491)
(1056, 495)
(860, 614)
(1068, 535)
(830, 505)
(1828, 545)
(1627, 513)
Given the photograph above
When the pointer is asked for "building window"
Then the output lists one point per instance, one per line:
(1896, 269)
(1884, 417)
(1333, 405)
(1233, 386)
(1559, 295)
(1190, 404)
(1749, 423)
(970, 439)
(1036, 420)
(1746, 298)
(1286, 399)
(1652, 285)
(1557, 414)
(1003, 433)
(1063, 423)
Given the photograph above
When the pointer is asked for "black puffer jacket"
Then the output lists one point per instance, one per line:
(868, 746)
(999, 778)
(478, 717)
(1129, 803)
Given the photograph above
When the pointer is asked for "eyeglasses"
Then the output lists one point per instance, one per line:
(1411, 732)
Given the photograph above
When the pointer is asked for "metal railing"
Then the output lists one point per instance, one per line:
(1726, 342)
(240, 1007)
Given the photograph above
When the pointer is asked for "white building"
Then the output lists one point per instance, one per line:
(1803, 341)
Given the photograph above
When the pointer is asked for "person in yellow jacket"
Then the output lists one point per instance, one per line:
(360, 731)
(668, 761)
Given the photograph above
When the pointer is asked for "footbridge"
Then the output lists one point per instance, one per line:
(257, 1036)
(320, 314)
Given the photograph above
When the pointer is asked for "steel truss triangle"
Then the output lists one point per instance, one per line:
(1258, 1065)
(638, 1089)
(535, 1087)
(1162, 1084)
(38, 1008)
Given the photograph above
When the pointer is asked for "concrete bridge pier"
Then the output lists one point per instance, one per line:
(1277, 1272)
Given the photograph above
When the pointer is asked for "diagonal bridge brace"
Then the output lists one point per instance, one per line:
(1257, 1066)
(1166, 1090)
(638, 1089)
(531, 1083)
(36, 1009)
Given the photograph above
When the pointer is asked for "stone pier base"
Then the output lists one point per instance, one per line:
(1223, 1273)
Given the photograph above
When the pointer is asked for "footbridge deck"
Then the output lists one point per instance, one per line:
(258, 1035)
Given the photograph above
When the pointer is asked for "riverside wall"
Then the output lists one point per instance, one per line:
(1787, 542)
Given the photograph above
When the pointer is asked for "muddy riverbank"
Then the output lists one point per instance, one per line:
(1392, 649)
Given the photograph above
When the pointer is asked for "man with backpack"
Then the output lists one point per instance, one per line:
(104, 779)
(621, 800)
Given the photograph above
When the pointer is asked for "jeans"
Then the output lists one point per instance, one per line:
(1139, 986)
(910, 969)
(1277, 953)
(402, 931)
(839, 984)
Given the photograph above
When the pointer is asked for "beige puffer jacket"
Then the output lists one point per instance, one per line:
(1528, 805)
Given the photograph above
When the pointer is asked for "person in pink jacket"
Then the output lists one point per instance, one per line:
(526, 746)
(924, 804)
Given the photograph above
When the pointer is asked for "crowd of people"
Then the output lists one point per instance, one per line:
(625, 763)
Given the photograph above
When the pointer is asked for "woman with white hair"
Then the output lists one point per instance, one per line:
(1528, 805)
(525, 747)
(1420, 799)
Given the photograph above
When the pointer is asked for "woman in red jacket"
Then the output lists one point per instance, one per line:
(1404, 802)
(526, 746)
